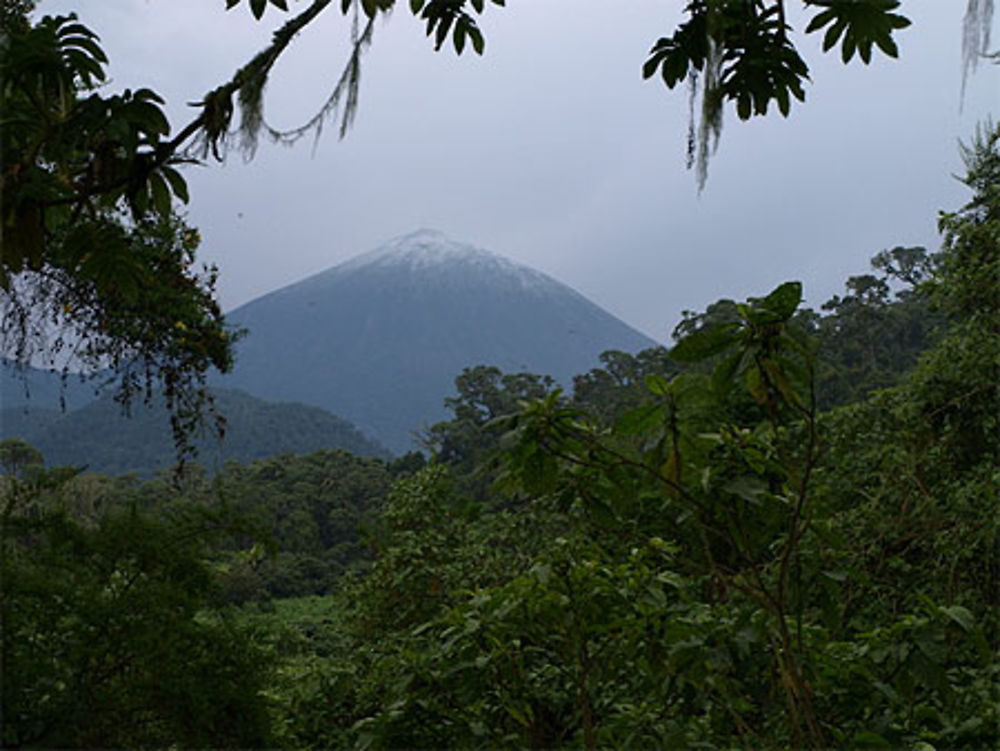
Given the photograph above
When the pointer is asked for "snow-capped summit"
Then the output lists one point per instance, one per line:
(380, 339)
(425, 247)
(429, 252)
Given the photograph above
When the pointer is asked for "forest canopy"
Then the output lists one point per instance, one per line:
(780, 533)
(692, 549)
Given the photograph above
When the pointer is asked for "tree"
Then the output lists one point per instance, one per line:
(710, 577)
(18, 458)
(469, 443)
(97, 268)
(873, 335)
(766, 576)
(311, 509)
(620, 385)
(111, 634)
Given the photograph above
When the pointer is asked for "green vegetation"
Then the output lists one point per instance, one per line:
(781, 533)
(110, 637)
(97, 269)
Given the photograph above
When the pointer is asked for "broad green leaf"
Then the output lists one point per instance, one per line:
(443, 26)
(784, 299)
(868, 739)
(833, 34)
(744, 106)
(961, 616)
(642, 419)
(781, 382)
(722, 375)
(657, 384)
(756, 386)
(478, 42)
(160, 194)
(887, 45)
(748, 488)
(848, 48)
(705, 343)
(820, 20)
(177, 183)
(671, 469)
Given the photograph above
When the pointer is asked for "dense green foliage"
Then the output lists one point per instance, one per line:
(868, 339)
(97, 270)
(119, 627)
(780, 533)
(311, 510)
(110, 635)
(710, 560)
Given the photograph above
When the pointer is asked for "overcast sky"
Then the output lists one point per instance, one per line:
(553, 151)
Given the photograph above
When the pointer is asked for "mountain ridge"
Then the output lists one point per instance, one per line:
(101, 437)
(380, 338)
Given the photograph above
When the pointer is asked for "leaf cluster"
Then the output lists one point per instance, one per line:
(748, 41)
(741, 52)
(110, 633)
(858, 27)
(71, 154)
(97, 270)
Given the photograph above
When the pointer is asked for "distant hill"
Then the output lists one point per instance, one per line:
(380, 338)
(19, 422)
(100, 436)
(43, 389)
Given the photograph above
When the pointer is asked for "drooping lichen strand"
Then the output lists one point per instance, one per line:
(345, 92)
(975, 36)
(710, 125)
(250, 81)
